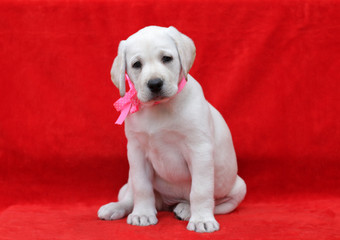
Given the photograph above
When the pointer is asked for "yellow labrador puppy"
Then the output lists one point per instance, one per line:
(180, 150)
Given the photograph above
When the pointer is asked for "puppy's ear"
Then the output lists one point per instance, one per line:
(185, 47)
(118, 69)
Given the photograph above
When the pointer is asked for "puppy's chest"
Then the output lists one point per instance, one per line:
(166, 152)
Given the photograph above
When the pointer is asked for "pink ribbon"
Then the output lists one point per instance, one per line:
(130, 103)
(127, 104)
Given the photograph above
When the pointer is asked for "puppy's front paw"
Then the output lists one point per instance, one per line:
(203, 225)
(112, 211)
(142, 219)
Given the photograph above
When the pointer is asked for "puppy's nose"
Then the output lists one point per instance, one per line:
(155, 85)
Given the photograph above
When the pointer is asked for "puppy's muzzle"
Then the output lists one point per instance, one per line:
(155, 85)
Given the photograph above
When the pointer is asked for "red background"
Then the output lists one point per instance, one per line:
(270, 67)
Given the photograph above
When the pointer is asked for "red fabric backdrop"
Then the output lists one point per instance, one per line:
(270, 67)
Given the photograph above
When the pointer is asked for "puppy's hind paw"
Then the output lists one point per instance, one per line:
(182, 211)
(111, 211)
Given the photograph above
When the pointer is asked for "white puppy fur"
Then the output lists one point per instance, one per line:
(180, 151)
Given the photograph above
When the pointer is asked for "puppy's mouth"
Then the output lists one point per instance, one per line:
(148, 97)
(158, 98)
(155, 98)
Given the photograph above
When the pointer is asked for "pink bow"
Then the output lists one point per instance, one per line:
(130, 103)
(127, 104)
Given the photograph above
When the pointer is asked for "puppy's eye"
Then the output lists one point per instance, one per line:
(137, 65)
(166, 59)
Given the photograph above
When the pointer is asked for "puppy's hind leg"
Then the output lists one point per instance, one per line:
(233, 199)
(182, 211)
(120, 209)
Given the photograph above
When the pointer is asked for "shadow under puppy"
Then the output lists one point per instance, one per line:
(180, 149)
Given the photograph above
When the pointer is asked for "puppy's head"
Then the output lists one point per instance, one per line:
(155, 59)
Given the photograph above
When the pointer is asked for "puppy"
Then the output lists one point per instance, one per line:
(180, 149)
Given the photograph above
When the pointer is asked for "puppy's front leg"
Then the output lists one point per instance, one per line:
(141, 173)
(202, 190)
